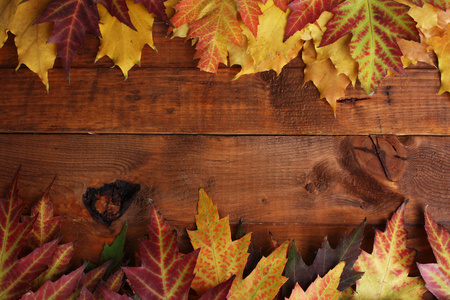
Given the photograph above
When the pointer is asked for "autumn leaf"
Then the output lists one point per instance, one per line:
(72, 18)
(157, 7)
(437, 276)
(220, 257)
(326, 259)
(413, 52)
(254, 255)
(16, 276)
(265, 280)
(114, 253)
(268, 51)
(375, 26)
(62, 288)
(46, 227)
(282, 4)
(7, 10)
(121, 43)
(31, 39)
(305, 12)
(322, 288)
(441, 46)
(386, 269)
(215, 24)
(118, 9)
(219, 292)
(163, 272)
(111, 295)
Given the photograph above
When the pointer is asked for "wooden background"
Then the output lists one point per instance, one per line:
(265, 148)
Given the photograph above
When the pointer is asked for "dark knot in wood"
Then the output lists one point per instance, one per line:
(111, 201)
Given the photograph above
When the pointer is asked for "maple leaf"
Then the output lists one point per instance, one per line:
(413, 52)
(375, 25)
(265, 280)
(157, 7)
(219, 292)
(72, 18)
(163, 272)
(46, 227)
(16, 276)
(305, 12)
(113, 254)
(111, 295)
(254, 255)
(219, 258)
(214, 23)
(326, 259)
(437, 276)
(58, 265)
(122, 44)
(386, 269)
(30, 40)
(118, 9)
(441, 46)
(268, 51)
(322, 288)
(282, 4)
(62, 288)
(7, 10)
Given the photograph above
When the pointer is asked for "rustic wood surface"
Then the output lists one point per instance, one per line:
(268, 181)
(264, 147)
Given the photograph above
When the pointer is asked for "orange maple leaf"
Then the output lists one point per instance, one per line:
(215, 24)
(219, 257)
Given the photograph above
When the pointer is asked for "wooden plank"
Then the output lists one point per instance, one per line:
(300, 188)
(300, 180)
(188, 101)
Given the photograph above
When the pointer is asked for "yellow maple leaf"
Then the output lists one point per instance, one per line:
(31, 39)
(7, 10)
(441, 46)
(414, 52)
(121, 43)
(265, 280)
(322, 288)
(330, 68)
(268, 51)
(220, 257)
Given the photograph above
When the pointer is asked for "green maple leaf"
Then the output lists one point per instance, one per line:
(375, 25)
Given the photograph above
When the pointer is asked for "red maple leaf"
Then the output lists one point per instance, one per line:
(304, 12)
(163, 273)
(118, 9)
(72, 19)
(16, 276)
(157, 7)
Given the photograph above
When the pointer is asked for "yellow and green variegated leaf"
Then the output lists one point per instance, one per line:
(386, 269)
(322, 288)
(375, 25)
(437, 276)
(220, 257)
(265, 280)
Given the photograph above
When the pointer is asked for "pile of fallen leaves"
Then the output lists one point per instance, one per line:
(33, 265)
(340, 40)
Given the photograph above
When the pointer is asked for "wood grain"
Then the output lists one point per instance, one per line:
(190, 102)
(267, 180)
